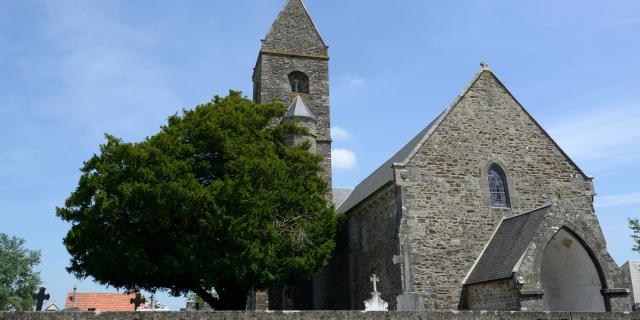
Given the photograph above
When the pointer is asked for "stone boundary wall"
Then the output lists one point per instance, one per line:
(323, 315)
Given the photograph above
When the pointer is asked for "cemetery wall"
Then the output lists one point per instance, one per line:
(308, 315)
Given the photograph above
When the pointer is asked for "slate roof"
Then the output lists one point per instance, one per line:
(100, 301)
(298, 109)
(340, 194)
(509, 242)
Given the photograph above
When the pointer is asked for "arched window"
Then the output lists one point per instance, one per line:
(299, 82)
(498, 187)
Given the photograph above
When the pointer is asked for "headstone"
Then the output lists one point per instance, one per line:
(40, 297)
(137, 301)
(375, 303)
(409, 300)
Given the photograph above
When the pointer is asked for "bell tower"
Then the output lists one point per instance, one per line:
(293, 65)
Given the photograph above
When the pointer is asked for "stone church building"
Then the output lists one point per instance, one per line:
(481, 210)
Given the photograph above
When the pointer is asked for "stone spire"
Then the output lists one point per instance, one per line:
(294, 32)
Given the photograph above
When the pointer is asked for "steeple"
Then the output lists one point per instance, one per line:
(294, 32)
(293, 65)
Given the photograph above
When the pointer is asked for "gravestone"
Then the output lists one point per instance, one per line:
(137, 301)
(375, 303)
(40, 297)
(409, 300)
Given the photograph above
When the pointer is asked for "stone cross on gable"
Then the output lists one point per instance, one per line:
(137, 301)
(375, 280)
(406, 258)
(40, 297)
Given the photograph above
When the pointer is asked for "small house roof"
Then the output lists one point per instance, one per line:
(100, 301)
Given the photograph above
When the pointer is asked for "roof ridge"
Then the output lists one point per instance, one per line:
(544, 206)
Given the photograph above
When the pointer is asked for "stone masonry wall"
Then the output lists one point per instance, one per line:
(496, 295)
(372, 243)
(447, 214)
(317, 315)
(373, 234)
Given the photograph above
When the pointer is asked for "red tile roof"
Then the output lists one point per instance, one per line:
(101, 301)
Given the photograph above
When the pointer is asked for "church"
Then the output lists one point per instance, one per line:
(481, 210)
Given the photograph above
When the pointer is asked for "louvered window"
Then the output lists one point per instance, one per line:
(299, 82)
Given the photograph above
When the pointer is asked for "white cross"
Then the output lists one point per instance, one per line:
(374, 279)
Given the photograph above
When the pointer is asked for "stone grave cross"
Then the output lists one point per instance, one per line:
(40, 297)
(375, 280)
(137, 301)
(375, 303)
(406, 258)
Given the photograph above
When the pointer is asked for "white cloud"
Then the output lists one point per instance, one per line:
(356, 82)
(351, 81)
(603, 134)
(343, 159)
(338, 133)
(617, 200)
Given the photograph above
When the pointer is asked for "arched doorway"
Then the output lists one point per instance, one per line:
(570, 277)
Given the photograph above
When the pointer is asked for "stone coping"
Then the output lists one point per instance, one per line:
(323, 315)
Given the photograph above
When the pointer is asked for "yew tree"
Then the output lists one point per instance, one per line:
(216, 199)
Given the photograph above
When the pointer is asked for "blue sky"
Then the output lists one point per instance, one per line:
(72, 70)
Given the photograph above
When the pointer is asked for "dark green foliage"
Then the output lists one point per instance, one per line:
(634, 224)
(214, 200)
(198, 302)
(18, 281)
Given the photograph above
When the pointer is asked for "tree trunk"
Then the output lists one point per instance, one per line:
(232, 298)
(206, 296)
(228, 299)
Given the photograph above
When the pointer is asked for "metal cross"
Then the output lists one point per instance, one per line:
(40, 297)
(406, 258)
(137, 301)
(375, 280)
(296, 86)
